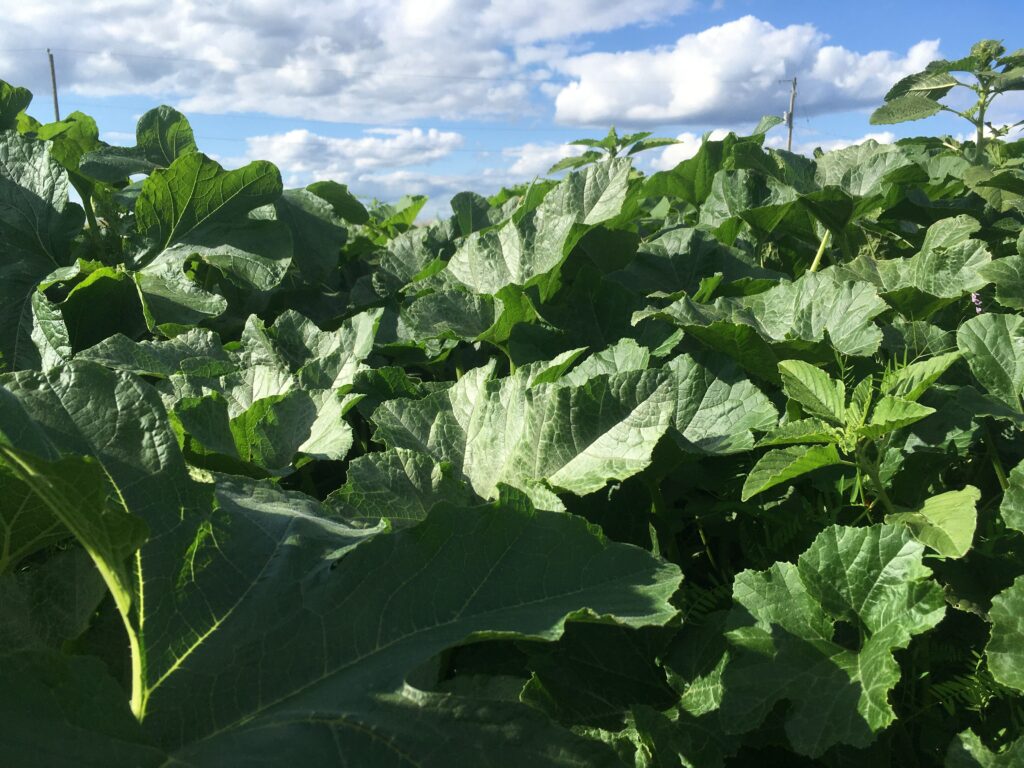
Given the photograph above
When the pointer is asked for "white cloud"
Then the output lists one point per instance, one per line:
(321, 157)
(382, 163)
(730, 73)
(369, 61)
(532, 160)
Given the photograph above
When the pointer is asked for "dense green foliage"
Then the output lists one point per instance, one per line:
(717, 466)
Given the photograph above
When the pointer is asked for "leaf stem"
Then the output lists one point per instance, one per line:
(821, 250)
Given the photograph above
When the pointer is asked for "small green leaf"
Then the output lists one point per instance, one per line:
(933, 84)
(912, 106)
(782, 464)
(345, 204)
(912, 381)
(891, 413)
(800, 431)
(195, 191)
(815, 390)
(945, 522)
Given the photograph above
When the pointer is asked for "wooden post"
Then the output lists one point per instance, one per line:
(53, 83)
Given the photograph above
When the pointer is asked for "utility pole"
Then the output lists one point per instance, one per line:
(53, 83)
(789, 114)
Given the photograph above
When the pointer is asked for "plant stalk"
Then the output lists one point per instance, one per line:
(982, 104)
(821, 250)
(870, 468)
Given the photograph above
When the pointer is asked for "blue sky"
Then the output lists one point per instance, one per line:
(434, 96)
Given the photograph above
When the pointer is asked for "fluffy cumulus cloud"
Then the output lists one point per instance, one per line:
(371, 61)
(383, 162)
(305, 152)
(529, 160)
(730, 73)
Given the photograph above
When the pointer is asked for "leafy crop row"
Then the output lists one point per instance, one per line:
(721, 465)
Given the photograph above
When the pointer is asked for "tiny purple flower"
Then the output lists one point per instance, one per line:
(976, 301)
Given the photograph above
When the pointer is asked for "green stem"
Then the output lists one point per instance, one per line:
(138, 684)
(982, 104)
(870, 468)
(704, 541)
(663, 519)
(993, 455)
(821, 250)
(90, 217)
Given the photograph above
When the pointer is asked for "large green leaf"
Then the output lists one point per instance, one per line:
(350, 641)
(815, 308)
(993, 346)
(50, 603)
(380, 629)
(198, 352)
(949, 265)
(162, 135)
(526, 248)
(284, 392)
(1005, 649)
(317, 231)
(13, 100)
(195, 191)
(784, 630)
(253, 254)
(536, 437)
(679, 259)
(968, 751)
(1012, 506)
(716, 408)
(1008, 276)
(396, 485)
(37, 225)
(863, 170)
